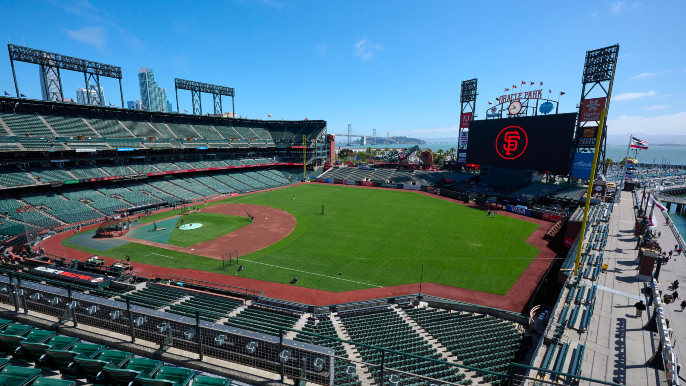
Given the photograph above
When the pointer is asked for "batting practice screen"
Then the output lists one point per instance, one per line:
(541, 143)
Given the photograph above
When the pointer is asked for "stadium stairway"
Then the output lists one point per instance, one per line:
(445, 353)
(298, 326)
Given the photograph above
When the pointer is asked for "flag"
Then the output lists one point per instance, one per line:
(513, 86)
(490, 103)
(270, 116)
(562, 93)
(498, 99)
(507, 89)
(111, 104)
(6, 93)
(532, 83)
(523, 82)
(549, 91)
(22, 95)
(541, 83)
(638, 143)
(305, 118)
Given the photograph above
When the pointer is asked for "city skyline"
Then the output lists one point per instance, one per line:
(389, 66)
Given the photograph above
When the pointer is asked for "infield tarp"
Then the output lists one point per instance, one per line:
(88, 240)
(147, 232)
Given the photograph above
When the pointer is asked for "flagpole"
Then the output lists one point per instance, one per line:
(626, 161)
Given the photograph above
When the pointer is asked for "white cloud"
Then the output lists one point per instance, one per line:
(664, 124)
(658, 107)
(94, 36)
(620, 6)
(365, 49)
(650, 75)
(321, 47)
(633, 95)
(78, 7)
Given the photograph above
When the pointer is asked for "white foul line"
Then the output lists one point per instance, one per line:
(317, 274)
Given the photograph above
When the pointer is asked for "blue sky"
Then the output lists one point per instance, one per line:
(394, 66)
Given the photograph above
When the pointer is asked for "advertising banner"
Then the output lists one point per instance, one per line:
(465, 118)
(412, 187)
(590, 109)
(366, 183)
(328, 180)
(586, 137)
(337, 181)
(464, 139)
(462, 157)
(125, 149)
(349, 182)
(85, 150)
(569, 242)
(69, 182)
(551, 217)
(78, 277)
(394, 186)
(581, 168)
(518, 210)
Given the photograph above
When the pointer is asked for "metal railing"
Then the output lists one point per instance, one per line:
(292, 358)
(202, 283)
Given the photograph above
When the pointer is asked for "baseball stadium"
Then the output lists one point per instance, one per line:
(166, 249)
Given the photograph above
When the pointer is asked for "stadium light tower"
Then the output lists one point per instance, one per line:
(467, 106)
(196, 88)
(51, 62)
(599, 74)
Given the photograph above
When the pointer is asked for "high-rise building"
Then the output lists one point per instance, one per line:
(169, 107)
(134, 105)
(82, 97)
(153, 98)
(49, 82)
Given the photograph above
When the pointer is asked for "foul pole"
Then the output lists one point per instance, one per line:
(582, 234)
(304, 157)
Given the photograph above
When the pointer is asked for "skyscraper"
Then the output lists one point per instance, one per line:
(153, 98)
(82, 98)
(134, 105)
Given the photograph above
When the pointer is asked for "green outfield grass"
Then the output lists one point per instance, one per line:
(374, 238)
(213, 226)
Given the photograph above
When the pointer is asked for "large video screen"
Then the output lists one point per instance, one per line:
(541, 143)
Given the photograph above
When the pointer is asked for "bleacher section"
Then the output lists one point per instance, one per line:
(209, 307)
(417, 177)
(535, 190)
(478, 340)
(387, 329)
(263, 314)
(37, 357)
(574, 194)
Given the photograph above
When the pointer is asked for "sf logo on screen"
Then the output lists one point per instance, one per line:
(511, 142)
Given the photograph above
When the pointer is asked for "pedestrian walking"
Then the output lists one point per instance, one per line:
(683, 305)
(128, 258)
(488, 214)
(640, 307)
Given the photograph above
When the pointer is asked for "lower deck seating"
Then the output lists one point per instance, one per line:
(155, 297)
(477, 340)
(261, 314)
(386, 329)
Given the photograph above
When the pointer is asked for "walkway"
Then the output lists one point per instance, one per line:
(617, 346)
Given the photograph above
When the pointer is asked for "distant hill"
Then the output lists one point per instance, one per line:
(392, 141)
(653, 139)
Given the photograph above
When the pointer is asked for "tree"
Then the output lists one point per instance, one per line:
(386, 150)
(452, 153)
(608, 163)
